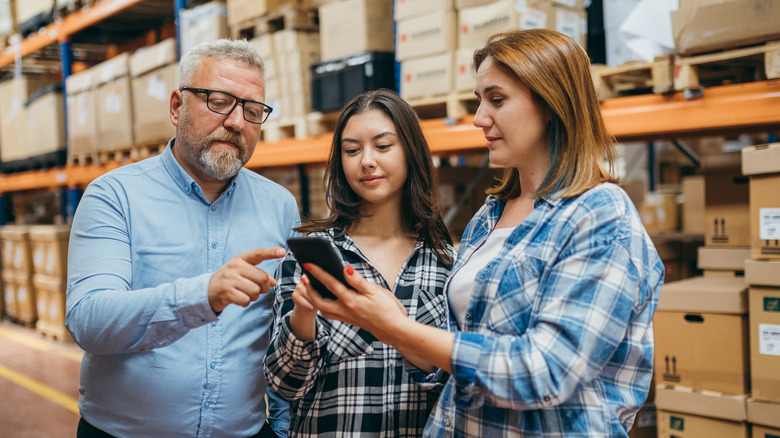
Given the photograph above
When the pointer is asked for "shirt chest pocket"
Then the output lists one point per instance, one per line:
(516, 295)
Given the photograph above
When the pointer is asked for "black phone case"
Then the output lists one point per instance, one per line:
(318, 251)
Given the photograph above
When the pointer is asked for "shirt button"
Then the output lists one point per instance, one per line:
(214, 245)
(369, 350)
(214, 324)
(207, 404)
(468, 317)
(213, 365)
(187, 189)
(213, 207)
(546, 399)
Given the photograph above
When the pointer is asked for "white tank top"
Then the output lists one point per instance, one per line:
(461, 285)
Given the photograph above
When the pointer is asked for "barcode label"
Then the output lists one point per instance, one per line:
(769, 223)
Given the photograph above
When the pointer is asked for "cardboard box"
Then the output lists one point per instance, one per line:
(461, 4)
(291, 40)
(115, 104)
(680, 425)
(477, 24)
(28, 9)
(17, 252)
(205, 22)
(153, 57)
(723, 259)
(726, 212)
(20, 283)
(243, 10)
(50, 296)
(9, 297)
(81, 106)
(15, 143)
(764, 432)
(764, 414)
(765, 342)
(762, 164)
(463, 70)
(151, 94)
(7, 17)
(645, 422)
(354, 26)
(429, 76)
(569, 21)
(693, 205)
(403, 9)
(728, 24)
(705, 294)
(424, 35)
(706, 351)
(46, 123)
(49, 246)
(703, 403)
(762, 272)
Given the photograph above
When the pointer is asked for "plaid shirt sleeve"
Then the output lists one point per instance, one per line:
(291, 364)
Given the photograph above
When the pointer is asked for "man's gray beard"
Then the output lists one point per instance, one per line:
(221, 164)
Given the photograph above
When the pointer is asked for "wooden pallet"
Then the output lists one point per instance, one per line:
(310, 125)
(454, 105)
(634, 77)
(132, 153)
(83, 158)
(53, 332)
(747, 64)
(285, 17)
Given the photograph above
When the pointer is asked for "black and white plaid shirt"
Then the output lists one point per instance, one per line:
(346, 383)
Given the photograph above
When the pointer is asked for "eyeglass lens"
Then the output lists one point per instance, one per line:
(224, 103)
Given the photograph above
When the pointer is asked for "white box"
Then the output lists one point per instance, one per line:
(428, 34)
(428, 76)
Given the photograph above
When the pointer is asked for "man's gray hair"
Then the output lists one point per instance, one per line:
(233, 50)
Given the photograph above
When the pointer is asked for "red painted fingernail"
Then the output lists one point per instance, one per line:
(350, 270)
(304, 280)
(307, 266)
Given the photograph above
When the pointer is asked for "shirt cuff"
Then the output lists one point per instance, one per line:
(467, 352)
(301, 350)
(192, 301)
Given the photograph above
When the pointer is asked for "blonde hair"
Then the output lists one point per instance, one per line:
(557, 72)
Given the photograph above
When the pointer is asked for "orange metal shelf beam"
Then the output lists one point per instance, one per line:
(730, 107)
(754, 105)
(60, 30)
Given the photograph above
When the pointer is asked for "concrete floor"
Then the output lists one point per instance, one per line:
(39, 384)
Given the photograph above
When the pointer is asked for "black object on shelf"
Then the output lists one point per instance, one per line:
(335, 83)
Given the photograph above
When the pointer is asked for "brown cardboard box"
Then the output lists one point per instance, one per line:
(477, 23)
(49, 246)
(463, 70)
(704, 403)
(115, 104)
(701, 337)
(765, 342)
(50, 295)
(728, 24)
(645, 422)
(660, 212)
(153, 57)
(726, 210)
(428, 76)
(424, 35)
(762, 272)
(28, 9)
(762, 164)
(764, 432)
(403, 9)
(46, 124)
(461, 4)
(24, 293)
(81, 105)
(15, 143)
(17, 252)
(723, 259)
(354, 26)
(205, 22)
(570, 21)
(693, 205)
(151, 98)
(679, 425)
(241, 10)
(764, 414)
(9, 297)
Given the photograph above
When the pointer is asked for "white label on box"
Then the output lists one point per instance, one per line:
(54, 309)
(568, 23)
(769, 223)
(769, 339)
(42, 307)
(9, 296)
(533, 19)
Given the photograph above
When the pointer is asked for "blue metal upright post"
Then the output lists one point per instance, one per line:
(179, 5)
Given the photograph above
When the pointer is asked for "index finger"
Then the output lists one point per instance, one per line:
(258, 255)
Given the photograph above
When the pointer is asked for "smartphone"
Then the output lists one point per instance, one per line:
(318, 251)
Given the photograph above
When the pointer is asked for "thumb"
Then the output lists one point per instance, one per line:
(258, 255)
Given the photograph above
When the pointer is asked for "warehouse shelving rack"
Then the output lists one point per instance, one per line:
(723, 109)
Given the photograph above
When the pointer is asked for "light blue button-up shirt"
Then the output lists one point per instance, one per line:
(143, 246)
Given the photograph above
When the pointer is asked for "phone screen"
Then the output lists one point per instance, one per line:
(318, 251)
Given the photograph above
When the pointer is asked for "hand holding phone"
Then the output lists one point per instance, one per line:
(318, 251)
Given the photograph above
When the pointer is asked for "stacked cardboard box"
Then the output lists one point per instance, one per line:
(49, 246)
(205, 22)
(115, 104)
(155, 73)
(20, 300)
(16, 142)
(356, 48)
(762, 272)
(81, 102)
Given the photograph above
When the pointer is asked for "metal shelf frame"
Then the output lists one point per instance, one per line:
(751, 106)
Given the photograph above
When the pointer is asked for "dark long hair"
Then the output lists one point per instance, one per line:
(420, 210)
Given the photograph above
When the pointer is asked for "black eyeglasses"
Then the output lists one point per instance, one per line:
(224, 103)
